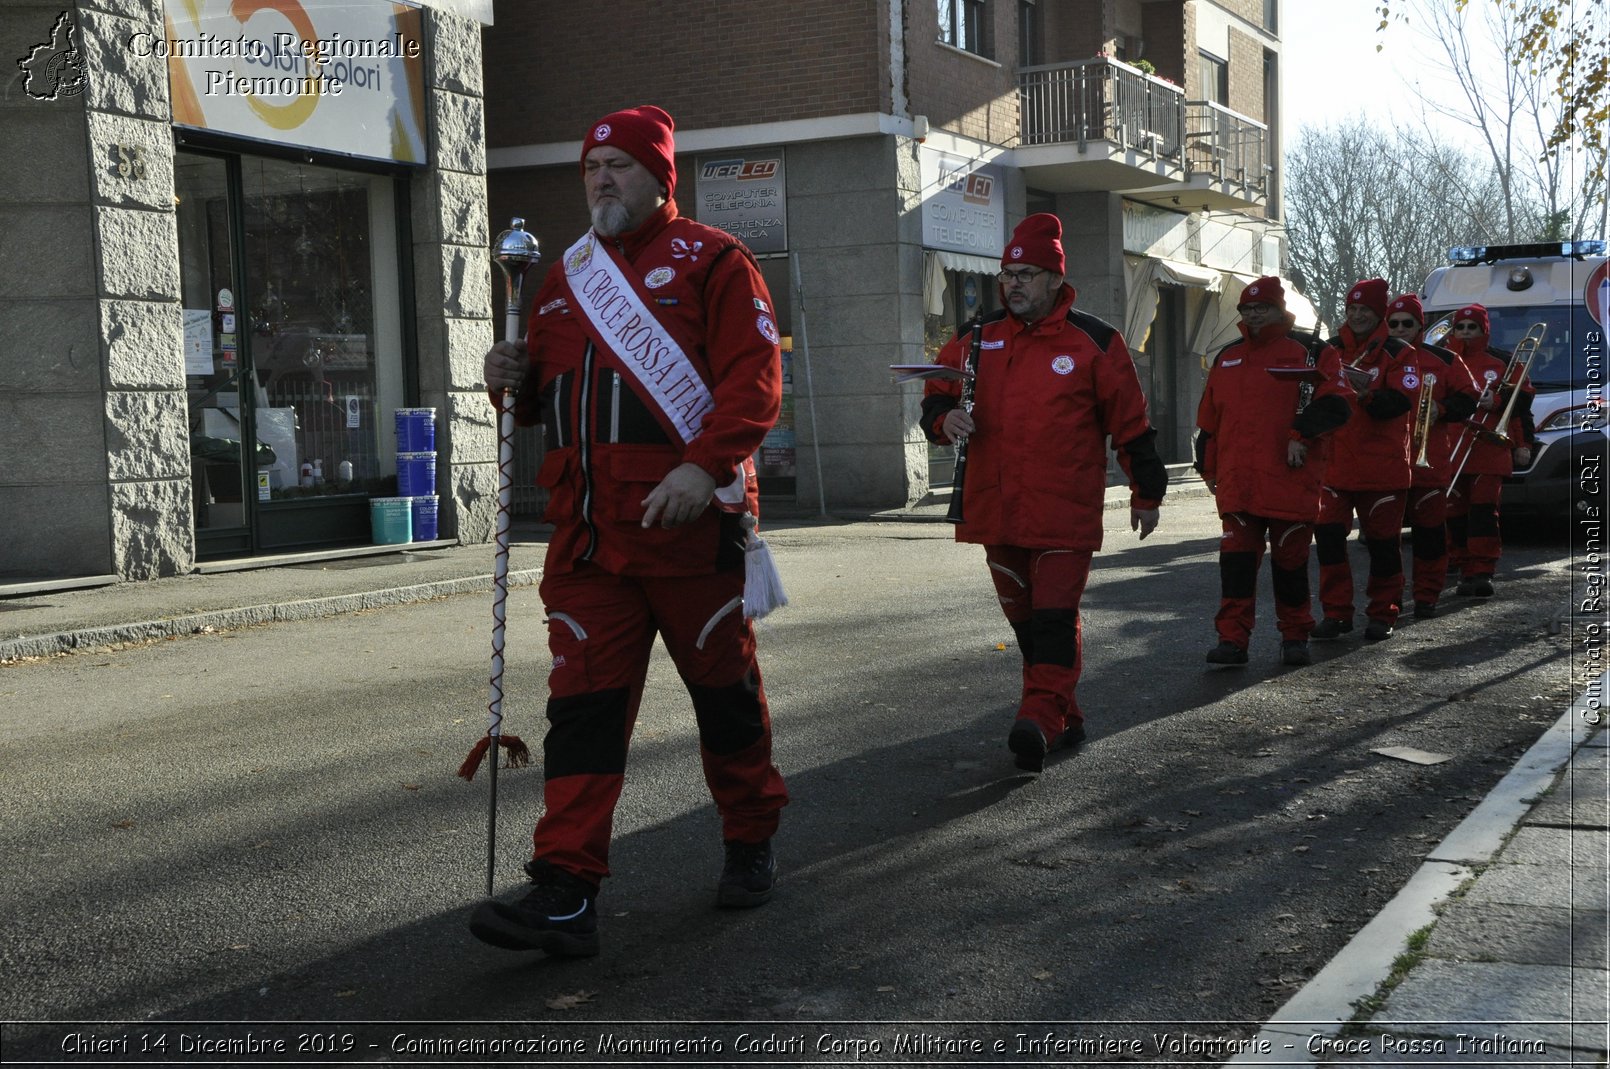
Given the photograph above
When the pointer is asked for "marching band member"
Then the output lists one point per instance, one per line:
(1446, 400)
(652, 361)
(1473, 499)
(1368, 470)
(1052, 384)
(1260, 451)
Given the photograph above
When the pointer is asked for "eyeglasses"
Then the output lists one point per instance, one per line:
(1024, 277)
(1255, 309)
(1402, 324)
(1467, 326)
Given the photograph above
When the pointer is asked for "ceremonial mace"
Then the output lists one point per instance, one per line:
(515, 252)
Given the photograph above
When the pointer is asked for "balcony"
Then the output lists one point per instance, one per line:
(1103, 125)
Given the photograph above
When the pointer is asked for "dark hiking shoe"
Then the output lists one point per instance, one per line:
(1069, 739)
(1377, 631)
(1481, 586)
(1424, 610)
(1027, 743)
(1295, 652)
(748, 876)
(556, 915)
(1227, 653)
(1330, 628)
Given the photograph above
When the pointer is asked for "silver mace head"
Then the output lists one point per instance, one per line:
(515, 249)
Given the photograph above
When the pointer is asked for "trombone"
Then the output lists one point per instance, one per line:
(1514, 375)
(1425, 415)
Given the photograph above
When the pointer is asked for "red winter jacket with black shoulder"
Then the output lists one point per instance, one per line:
(605, 446)
(1046, 398)
(1371, 450)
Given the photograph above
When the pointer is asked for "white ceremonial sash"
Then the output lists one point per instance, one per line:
(623, 323)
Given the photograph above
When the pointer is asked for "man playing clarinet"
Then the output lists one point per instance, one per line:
(1052, 384)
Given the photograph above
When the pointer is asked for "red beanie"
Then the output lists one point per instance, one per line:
(1477, 312)
(643, 133)
(1372, 293)
(1411, 304)
(1037, 241)
(1266, 290)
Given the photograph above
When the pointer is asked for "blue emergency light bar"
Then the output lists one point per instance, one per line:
(1486, 254)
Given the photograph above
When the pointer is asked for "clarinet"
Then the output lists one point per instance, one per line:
(970, 374)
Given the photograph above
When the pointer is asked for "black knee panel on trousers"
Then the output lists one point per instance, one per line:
(1458, 530)
(1238, 574)
(1025, 640)
(1483, 521)
(729, 716)
(1429, 542)
(1056, 636)
(587, 735)
(1386, 556)
(1330, 543)
(1291, 585)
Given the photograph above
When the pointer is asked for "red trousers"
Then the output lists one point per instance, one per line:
(1473, 525)
(1241, 555)
(1428, 541)
(1039, 591)
(1380, 521)
(601, 630)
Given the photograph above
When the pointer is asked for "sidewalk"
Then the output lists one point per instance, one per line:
(1515, 898)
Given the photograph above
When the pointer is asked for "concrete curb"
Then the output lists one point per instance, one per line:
(1329, 1000)
(222, 619)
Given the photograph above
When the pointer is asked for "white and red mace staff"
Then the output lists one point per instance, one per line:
(515, 252)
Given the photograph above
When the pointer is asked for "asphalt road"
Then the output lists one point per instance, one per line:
(264, 824)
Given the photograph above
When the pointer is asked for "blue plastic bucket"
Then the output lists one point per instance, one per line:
(424, 510)
(416, 474)
(416, 430)
(391, 520)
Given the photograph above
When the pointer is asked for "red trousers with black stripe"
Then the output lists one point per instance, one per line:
(1380, 521)
(1428, 541)
(601, 630)
(1039, 591)
(1473, 524)
(1241, 555)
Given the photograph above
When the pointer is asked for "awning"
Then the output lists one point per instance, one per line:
(961, 261)
(1183, 274)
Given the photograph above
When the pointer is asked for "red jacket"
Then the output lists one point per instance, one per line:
(1485, 367)
(1371, 450)
(605, 448)
(1046, 398)
(1248, 419)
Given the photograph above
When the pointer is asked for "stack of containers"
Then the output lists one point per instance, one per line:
(416, 468)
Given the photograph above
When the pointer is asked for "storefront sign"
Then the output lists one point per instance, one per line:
(745, 195)
(963, 205)
(345, 77)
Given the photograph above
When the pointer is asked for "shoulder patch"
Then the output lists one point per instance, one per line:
(1101, 332)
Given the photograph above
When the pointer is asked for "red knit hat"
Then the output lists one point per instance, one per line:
(1410, 303)
(1037, 241)
(1266, 290)
(643, 133)
(1477, 312)
(1372, 293)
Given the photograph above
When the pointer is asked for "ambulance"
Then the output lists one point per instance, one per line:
(1562, 285)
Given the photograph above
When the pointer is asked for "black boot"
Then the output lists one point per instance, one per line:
(557, 915)
(748, 876)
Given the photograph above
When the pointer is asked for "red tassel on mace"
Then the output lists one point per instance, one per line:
(519, 754)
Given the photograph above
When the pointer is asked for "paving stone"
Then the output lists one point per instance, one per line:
(1535, 1002)
(1531, 935)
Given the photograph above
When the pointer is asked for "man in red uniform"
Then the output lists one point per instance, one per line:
(1445, 389)
(1259, 450)
(1368, 469)
(652, 363)
(1473, 499)
(1052, 384)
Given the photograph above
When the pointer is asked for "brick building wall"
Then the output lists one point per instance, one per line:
(975, 96)
(1246, 76)
(1168, 29)
(710, 66)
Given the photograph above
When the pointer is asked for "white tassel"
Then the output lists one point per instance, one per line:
(763, 586)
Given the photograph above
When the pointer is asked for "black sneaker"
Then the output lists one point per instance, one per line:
(1027, 742)
(555, 915)
(1377, 630)
(1070, 738)
(1295, 652)
(748, 876)
(1481, 586)
(1330, 628)
(1424, 610)
(1227, 652)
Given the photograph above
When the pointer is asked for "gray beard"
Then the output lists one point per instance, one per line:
(610, 219)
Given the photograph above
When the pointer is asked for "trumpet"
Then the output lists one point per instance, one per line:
(1425, 415)
(1520, 361)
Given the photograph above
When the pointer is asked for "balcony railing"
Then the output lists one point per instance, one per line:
(1104, 100)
